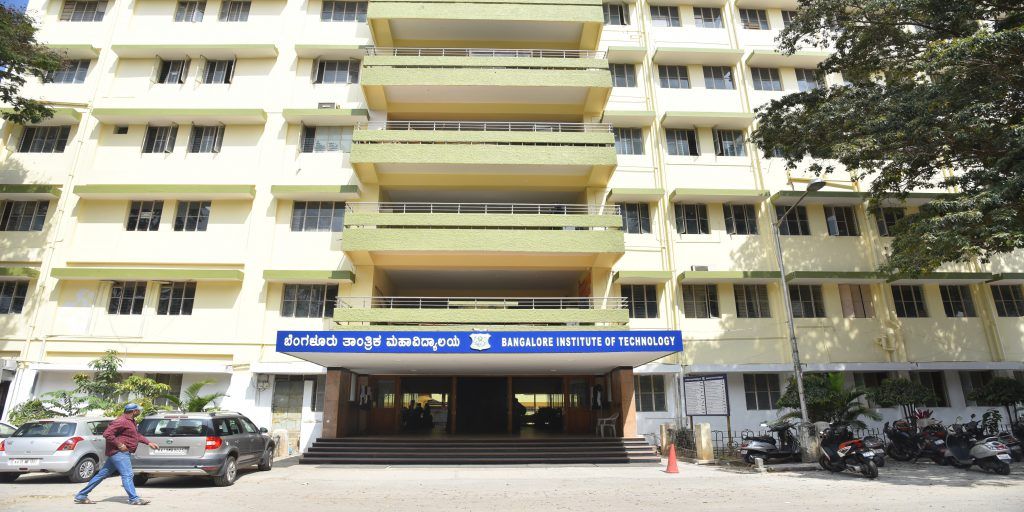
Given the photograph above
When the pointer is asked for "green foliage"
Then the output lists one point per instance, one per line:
(907, 133)
(1002, 391)
(990, 422)
(54, 404)
(193, 401)
(902, 393)
(104, 383)
(827, 400)
(135, 389)
(29, 410)
(22, 56)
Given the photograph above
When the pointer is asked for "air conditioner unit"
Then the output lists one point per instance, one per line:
(699, 268)
(327, 105)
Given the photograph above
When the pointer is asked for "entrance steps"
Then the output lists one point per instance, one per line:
(479, 451)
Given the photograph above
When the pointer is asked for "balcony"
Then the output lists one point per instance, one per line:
(488, 154)
(501, 82)
(483, 235)
(534, 311)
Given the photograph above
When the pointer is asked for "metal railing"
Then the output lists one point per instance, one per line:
(384, 302)
(485, 208)
(485, 52)
(486, 126)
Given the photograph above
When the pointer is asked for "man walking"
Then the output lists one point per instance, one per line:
(122, 439)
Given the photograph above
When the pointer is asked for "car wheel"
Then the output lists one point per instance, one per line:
(9, 477)
(140, 480)
(267, 462)
(230, 473)
(83, 471)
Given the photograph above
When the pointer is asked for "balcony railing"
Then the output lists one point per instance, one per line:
(487, 126)
(485, 52)
(381, 302)
(485, 208)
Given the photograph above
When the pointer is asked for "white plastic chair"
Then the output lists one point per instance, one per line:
(607, 423)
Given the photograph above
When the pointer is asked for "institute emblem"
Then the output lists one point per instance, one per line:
(480, 341)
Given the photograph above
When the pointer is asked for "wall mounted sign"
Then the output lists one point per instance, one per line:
(706, 395)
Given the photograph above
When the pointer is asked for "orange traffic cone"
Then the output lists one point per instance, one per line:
(673, 465)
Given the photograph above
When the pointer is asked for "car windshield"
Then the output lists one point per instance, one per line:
(45, 429)
(6, 430)
(176, 427)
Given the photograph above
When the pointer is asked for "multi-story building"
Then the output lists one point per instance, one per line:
(219, 172)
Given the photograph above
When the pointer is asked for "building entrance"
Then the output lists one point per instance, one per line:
(482, 405)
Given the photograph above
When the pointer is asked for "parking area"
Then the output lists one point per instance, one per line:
(291, 487)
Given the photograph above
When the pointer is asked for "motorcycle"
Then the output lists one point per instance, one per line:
(966, 447)
(767, 447)
(907, 443)
(841, 451)
(1013, 443)
(877, 445)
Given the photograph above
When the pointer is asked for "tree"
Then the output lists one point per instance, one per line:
(934, 99)
(1002, 391)
(105, 380)
(22, 56)
(193, 401)
(903, 393)
(828, 400)
(55, 404)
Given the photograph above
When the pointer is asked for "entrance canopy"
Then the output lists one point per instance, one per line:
(479, 352)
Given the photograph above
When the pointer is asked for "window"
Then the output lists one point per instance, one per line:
(970, 381)
(806, 79)
(936, 382)
(718, 77)
(869, 381)
(707, 17)
(642, 300)
(309, 300)
(956, 301)
(159, 139)
(44, 139)
(12, 297)
(234, 10)
(192, 216)
(144, 215)
(190, 12)
(319, 387)
(206, 139)
(72, 72)
(766, 79)
(788, 17)
(700, 301)
(1009, 300)
(322, 139)
(752, 301)
(616, 14)
(909, 301)
(729, 143)
(344, 11)
(762, 390)
(692, 219)
(176, 298)
(636, 218)
(682, 142)
(24, 215)
(318, 216)
(173, 380)
(754, 19)
(83, 11)
(650, 393)
(219, 71)
(623, 75)
(841, 221)
(806, 301)
(740, 219)
(628, 141)
(886, 218)
(673, 77)
(173, 71)
(127, 297)
(336, 71)
(665, 16)
(856, 301)
(795, 222)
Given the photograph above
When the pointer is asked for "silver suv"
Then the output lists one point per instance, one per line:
(211, 444)
(70, 446)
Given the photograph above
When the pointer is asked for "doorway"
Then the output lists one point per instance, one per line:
(482, 405)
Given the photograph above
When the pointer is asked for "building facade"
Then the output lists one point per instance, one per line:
(221, 172)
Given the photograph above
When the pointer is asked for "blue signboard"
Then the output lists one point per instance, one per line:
(475, 342)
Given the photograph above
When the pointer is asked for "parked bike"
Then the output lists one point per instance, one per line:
(907, 443)
(877, 445)
(767, 447)
(966, 446)
(841, 451)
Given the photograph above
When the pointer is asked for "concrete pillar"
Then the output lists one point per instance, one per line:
(622, 398)
(702, 441)
(337, 408)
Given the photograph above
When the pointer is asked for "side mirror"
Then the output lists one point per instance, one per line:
(263, 430)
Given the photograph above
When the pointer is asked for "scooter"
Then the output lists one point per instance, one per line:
(767, 447)
(965, 447)
(877, 445)
(840, 451)
(1013, 443)
(906, 443)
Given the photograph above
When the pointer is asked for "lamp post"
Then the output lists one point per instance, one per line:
(814, 186)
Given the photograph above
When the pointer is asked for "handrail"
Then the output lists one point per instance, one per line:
(486, 126)
(485, 52)
(392, 302)
(484, 208)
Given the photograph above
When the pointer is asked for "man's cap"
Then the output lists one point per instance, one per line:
(132, 407)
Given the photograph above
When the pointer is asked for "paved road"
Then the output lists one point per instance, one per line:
(297, 488)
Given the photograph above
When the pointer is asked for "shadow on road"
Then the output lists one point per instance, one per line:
(926, 474)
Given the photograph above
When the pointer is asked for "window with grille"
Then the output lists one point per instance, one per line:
(795, 223)
(673, 77)
(318, 216)
(887, 217)
(665, 16)
(751, 301)
(642, 300)
(72, 72)
(762, 391)
(176, 298)
(856, 301)
(83, 11)
(766, 79)
(343, 11)
(623, 75)
(127, 297)
(159, 139)
(788, 17)
(707, 17)
(144, 215)
(650, 393)
(616, 14)
(754, 19)
(841, 221)
(936, 382)
(957, 301)
(681, 142)
(692, 219)
(44, 139)
(309, 300)
(323, 139)
(206, 139)
(807, 79)
(189, 12)
(908, 301)
(628, 141)
(24, 215)
(740, 219)
(219, 71)
(718, 77)
(806, 301)
(173, 71)
(336, 71)
(1009, 299)
(700, 301)
(192, 216)
(729, 142)
(636, 218)
(12, 297)
(233, 10)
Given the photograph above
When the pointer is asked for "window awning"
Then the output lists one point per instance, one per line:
(642, 276)
(1008, 278)
(718, 195)
(60, 117)
(330, 51)
(775, 59)
(635, 194)
(819, 277)
(180, 115)
(29, 191)
(145, 274)
(701, 56)
(628, 118)
(144, 191)
(626, 54)
(947, 278)
(723, 120)
(75, 51)
(195, 50)
(326, 116)
(309, 276)
(20, 273)
(729, 276)
(829, 197)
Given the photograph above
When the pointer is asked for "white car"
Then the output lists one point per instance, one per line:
(70, 446)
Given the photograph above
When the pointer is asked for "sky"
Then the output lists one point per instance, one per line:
(18, 4)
